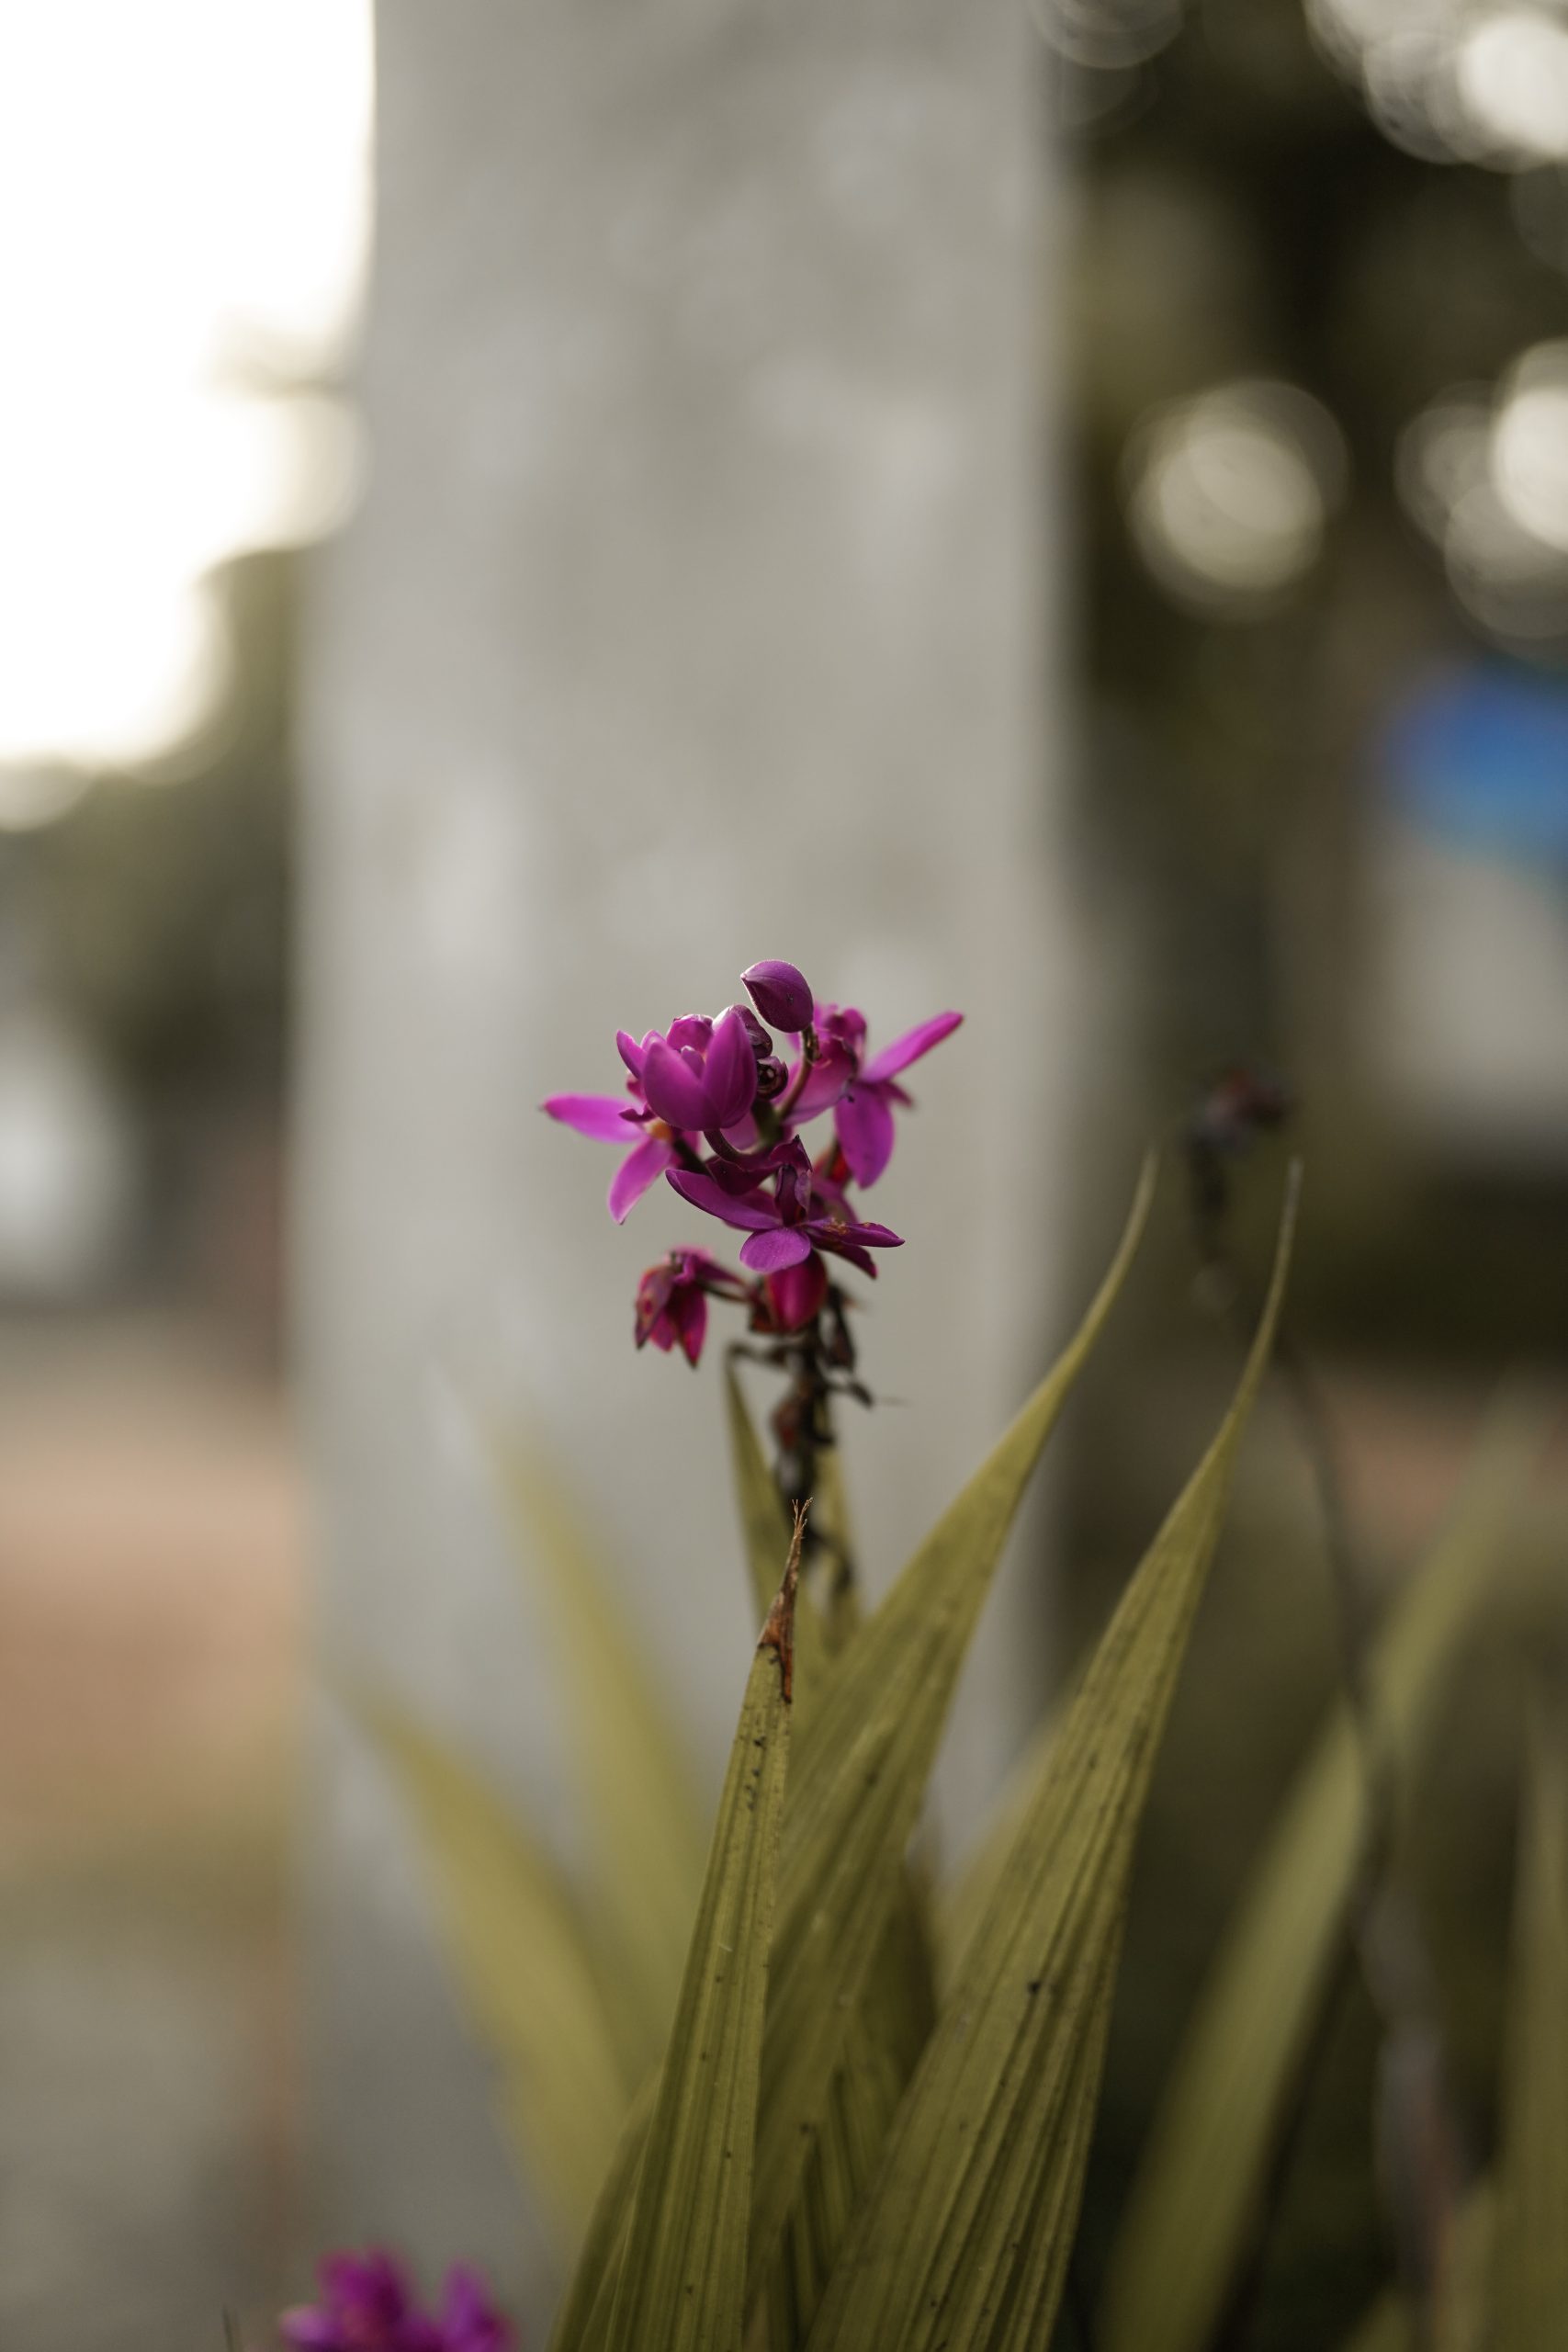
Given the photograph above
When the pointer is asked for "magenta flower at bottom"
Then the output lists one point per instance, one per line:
(367, 2304)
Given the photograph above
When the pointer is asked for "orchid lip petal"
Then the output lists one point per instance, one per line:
(640, 1168)
(768, 1253)
(696, 1186)
(607, 1118)
(911, 1045)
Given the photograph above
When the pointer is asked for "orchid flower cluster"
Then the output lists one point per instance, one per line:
(368, 2304)
(714, 1107)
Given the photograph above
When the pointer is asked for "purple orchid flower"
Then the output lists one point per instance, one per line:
(696, 1082)
(861, 1094)
(691, 1078)
(713, 1107)
(816, 1084)
(783, 1231)
(671, 1301)
(367, 2304)
(863, 1114)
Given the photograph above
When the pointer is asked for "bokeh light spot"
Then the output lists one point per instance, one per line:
(1529, 443)
(1511, 66)
(1229, 494)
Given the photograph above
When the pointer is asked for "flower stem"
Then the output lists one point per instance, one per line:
(808, 1053)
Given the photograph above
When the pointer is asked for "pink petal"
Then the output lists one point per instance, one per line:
(872, 1237)
(834, 1070)
(608, 1118)
(640, 1168)
(864, 1125)
(630, 1052)
(912, 1045)
(675, 1092)
(690, 1315)
(754, 1215)
(832, 1238)
(731, 1072)
(766, 1254)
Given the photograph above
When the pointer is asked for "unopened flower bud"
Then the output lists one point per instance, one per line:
(760, 1042)
(781, 994)
(772, 1078)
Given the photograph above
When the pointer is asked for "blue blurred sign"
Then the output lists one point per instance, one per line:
(1479, 757)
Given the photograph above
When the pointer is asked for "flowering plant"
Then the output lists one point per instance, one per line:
(711, 1106)
(715, 1110)
(776, 2096)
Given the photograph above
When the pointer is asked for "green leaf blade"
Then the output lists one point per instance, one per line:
(892, 2020)
(964, 2241)
(524, 1970)
(681, 2276)
(1462, 2327)
(1530, 2273)
(1195, 2197)
(860, 1777)
(646, 1823)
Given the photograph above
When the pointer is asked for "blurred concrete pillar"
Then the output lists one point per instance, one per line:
(695, 613)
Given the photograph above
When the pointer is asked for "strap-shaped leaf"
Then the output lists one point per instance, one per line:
(524, 1970)
(1467, 2294)
(1195, 2198)
(964, 1547)
(1531, 2262)
(682, 2276)
(894, 2016)
(964, 2241)
(644, 1818)
(582, 2323)
(966, 1900)
(862, 1775)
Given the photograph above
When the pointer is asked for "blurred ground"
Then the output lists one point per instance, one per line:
(149, 1623)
